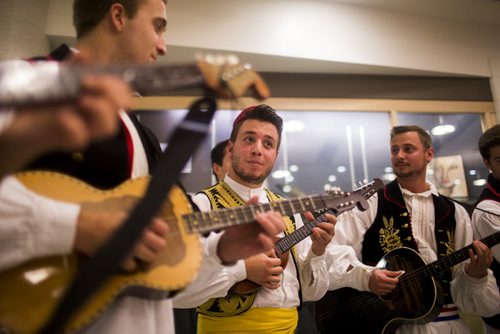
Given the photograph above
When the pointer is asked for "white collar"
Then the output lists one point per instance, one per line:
(432, 191)
(244, 192)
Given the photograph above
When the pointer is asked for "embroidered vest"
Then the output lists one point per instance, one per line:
(392, 229)
(104, 164)
(222, 196)
(492, 193)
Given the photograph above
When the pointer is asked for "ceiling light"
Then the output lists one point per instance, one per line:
(479, 182)
(442, 129)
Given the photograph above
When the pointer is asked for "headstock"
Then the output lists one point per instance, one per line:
(230, 79)
(340, 201)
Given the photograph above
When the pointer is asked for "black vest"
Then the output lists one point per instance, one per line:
(491, 192)
(103, 164)
(392, 229)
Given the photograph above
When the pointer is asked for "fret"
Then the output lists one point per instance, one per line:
(302, 207)
(277, 207)
(247, 214)
(239, 212)
(312, 202)
(280, 203)
(305, 203)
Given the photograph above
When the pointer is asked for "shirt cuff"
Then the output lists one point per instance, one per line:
(472, 281)
(58, 235)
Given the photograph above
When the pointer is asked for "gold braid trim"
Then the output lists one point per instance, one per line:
(222, 196)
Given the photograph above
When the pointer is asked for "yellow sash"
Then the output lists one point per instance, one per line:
(255, 320)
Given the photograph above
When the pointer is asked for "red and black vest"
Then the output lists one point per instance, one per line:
(392, 229)
(492, 193)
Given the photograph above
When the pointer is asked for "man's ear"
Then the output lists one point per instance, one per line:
(229, 147)
(118, 16)
(487, 163)
(429, 154)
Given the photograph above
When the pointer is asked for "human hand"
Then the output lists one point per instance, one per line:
(322, 234)
(479, 262)
(68, 126)
(95, 228)
(264, 269)
(383, 281)
(240, 242)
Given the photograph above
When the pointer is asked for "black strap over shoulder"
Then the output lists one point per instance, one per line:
(106, 260)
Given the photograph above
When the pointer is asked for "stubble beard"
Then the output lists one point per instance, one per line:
(411, 173)
(257, 180)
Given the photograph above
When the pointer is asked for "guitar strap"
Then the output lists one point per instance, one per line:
(106, 260)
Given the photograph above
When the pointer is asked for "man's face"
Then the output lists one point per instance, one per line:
(408, 156)
(142, 36)
(494, 162)
(253, 153)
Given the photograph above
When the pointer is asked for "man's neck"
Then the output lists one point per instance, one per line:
(93, 50)
(414, 185)
(238, 180)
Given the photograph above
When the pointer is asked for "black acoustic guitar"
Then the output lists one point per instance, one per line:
(417, 298)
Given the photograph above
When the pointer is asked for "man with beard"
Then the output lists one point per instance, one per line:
(253, 149)
(485, 218)
(409, 212)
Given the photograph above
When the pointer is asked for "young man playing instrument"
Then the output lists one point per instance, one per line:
(409, 212)
(253, 149)
(113, 32)
(486, 216)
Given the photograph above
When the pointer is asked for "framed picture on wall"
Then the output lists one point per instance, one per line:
(447, 174)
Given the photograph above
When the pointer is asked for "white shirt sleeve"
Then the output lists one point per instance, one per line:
(312, 268)
(343, 254)
(214, 279)
(32, 225)
(485, 224)
(472, 295)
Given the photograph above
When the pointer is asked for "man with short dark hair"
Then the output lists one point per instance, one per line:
(486, 216)
(220, 161)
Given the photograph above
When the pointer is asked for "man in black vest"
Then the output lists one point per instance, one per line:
(112, 32)
(486, 216)
(409, 212)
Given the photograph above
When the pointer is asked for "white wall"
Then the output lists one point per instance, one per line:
(22, 28)
(322, 30)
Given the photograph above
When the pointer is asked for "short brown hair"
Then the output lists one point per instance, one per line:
(263, 113)
(88, 13)
(490, 138)
(425, 138)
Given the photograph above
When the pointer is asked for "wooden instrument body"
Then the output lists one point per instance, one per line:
(29, 292)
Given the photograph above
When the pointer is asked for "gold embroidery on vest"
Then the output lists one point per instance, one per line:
(221, 195)
(389, 236)
(450, 245)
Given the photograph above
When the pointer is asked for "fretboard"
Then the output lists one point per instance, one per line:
(438, 266)
(26, 84)
(288, 241)
(202, 222)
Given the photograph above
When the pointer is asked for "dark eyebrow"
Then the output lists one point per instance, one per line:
(162, 22)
